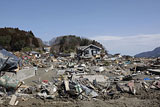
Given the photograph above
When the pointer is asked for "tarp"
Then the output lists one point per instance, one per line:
(8, 82)
(8, 61)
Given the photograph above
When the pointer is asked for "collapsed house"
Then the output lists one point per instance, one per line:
(8, 61)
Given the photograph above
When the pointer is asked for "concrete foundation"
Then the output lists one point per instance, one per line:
(25, 74)
(98, 78)
(22, 74)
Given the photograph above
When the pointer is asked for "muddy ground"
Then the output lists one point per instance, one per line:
(123, 100)
(142, 98)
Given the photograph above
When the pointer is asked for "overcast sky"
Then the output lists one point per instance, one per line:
(122, 26)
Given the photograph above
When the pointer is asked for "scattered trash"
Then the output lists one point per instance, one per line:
(92, 77)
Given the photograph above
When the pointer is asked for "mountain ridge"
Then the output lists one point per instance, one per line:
(149, 54)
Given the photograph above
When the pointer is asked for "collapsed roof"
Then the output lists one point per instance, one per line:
(8, 61)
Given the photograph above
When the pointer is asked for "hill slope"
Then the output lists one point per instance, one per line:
(69, 43)
(149, 54)
(14, 39)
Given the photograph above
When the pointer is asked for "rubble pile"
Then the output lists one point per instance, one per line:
(79, 79)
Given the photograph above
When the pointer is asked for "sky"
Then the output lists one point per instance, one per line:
(122, 26)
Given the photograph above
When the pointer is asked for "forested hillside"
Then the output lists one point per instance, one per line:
(14, 39)
(69, 43)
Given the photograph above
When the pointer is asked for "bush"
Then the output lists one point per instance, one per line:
(26, 49)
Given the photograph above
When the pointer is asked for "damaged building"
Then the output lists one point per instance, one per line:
(88, 51)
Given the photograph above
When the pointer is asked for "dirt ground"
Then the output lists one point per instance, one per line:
(141, 99)
(120, 102)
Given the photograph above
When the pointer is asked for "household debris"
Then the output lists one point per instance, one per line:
(8, 61)
(84, 79)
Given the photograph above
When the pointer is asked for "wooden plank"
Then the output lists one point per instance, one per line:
(13, 100)
(66, 83)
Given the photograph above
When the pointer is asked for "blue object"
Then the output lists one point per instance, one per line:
(147, 79)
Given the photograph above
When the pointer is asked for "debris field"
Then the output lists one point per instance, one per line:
(114, 81)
